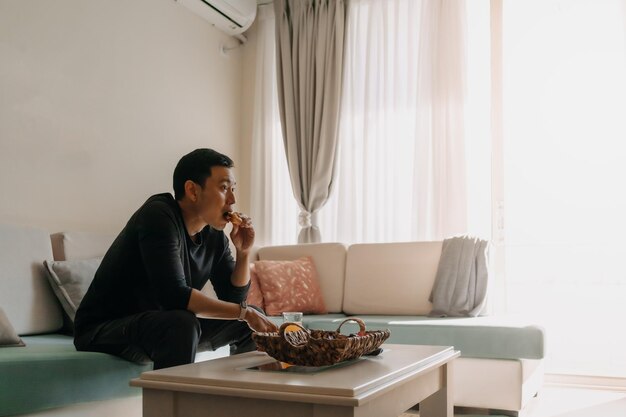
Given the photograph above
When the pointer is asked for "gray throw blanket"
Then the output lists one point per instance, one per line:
(460, 288)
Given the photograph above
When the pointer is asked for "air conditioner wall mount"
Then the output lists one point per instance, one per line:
(232, 17)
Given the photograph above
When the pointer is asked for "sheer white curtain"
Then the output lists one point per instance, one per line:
(402, 168)
(273, 208)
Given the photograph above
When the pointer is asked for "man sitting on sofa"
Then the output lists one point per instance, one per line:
(145, 303)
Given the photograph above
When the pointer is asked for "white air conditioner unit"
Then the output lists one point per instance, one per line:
(230, 16)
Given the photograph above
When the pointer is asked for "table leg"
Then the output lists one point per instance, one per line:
(158, 403)
(441, 403)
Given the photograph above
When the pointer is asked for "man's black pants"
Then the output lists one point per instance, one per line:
(168, 338)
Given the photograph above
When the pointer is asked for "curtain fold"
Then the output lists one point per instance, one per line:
(309, 60)
(441, 90)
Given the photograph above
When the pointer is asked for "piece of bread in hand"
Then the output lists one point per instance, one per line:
(234, 218)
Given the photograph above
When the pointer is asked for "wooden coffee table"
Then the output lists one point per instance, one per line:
(381, 386)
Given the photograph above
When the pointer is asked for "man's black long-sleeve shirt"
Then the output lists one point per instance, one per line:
(153, 264)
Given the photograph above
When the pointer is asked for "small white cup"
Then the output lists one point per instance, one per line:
(292, 317)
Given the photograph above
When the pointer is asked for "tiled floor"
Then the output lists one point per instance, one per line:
(571, 402)
(577, 402)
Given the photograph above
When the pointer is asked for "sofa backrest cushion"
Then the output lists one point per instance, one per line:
(69, 246)
(330, 262)
(25, 294)
(390, 278)
(70, 281)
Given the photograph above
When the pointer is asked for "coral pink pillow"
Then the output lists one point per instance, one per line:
(255, 297)
(290, 286)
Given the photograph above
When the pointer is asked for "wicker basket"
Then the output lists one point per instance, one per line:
(306, 347)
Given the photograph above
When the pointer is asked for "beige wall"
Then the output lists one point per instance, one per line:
(99, 99)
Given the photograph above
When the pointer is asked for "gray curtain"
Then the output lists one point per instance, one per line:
(309, 52)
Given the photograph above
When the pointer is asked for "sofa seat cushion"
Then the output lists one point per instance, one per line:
(48, 372)
(489, 337)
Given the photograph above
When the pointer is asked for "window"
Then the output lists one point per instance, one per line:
(564, 133)
(564, 97)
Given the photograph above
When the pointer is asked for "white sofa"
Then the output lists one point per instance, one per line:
(388, 285)
(385, 284)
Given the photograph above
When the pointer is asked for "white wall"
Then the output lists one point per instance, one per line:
(98, 101)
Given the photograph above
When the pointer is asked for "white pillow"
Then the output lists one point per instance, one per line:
(8, 337)
(70, 281)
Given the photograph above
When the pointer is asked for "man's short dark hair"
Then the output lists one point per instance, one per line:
(196, 166)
